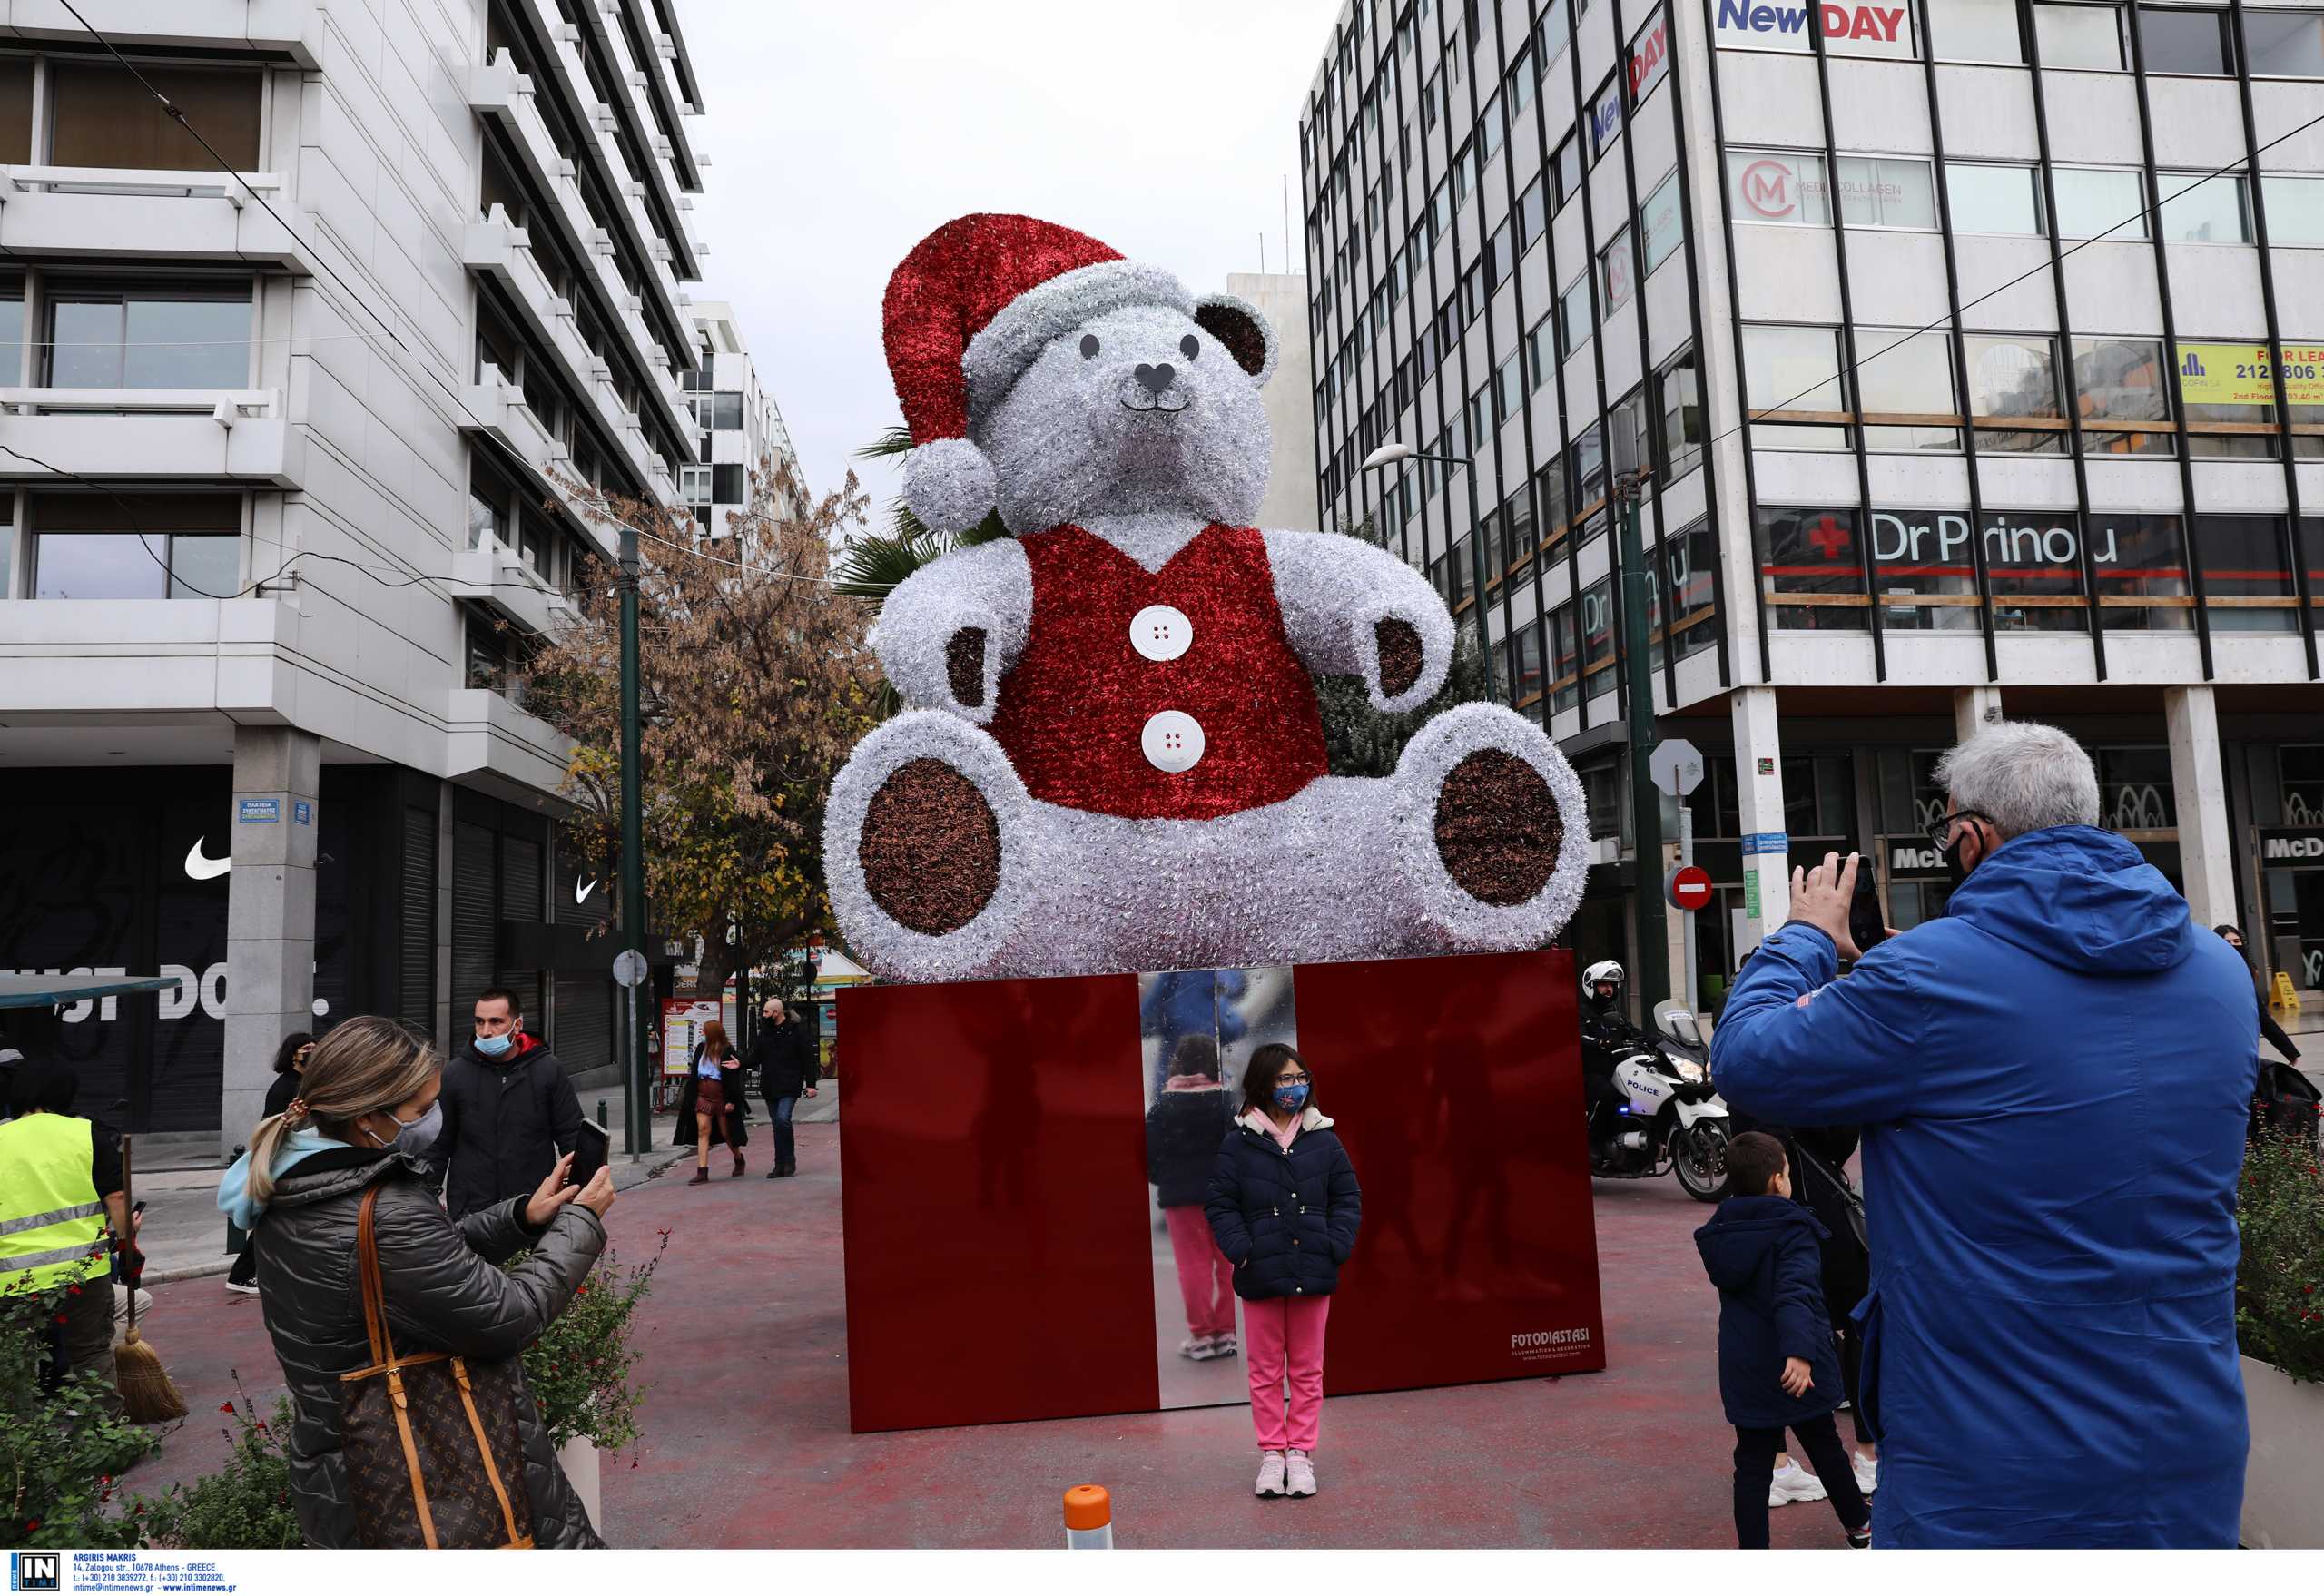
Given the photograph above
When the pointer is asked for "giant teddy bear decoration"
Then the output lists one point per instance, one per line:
(1116, 762)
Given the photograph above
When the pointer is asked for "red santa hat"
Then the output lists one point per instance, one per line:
(972, 305)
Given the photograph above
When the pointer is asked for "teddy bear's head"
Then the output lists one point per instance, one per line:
(1044, 376)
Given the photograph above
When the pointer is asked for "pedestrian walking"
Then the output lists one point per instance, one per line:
(62, 1214)
(1182, 1131)
(2033, 1311)
(711, 1100)
(290, 1059)
(2270, 1030)
(783, 1056)
(1777, 1366)
(1285, 1206)
(369, 1104)
(509, 1110)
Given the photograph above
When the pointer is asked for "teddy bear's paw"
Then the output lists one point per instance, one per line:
(931, 848)
(1498, 829)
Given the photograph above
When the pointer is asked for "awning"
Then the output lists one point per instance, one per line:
(47, 991)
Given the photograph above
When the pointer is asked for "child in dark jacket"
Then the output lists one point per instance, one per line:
(1284, 1208)
(1777, 1366)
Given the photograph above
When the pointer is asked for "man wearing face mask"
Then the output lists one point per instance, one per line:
(509, 1111)
(2053, 1080)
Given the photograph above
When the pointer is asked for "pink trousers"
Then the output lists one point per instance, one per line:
(1205, 1279)
(1283, 1344)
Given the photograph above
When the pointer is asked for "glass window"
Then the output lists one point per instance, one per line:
(496, 350)
(101, 116)
(1509, 388)
(11, 345)
(2140, 562)
(1587, 463)
(2120, 389)
(1527, 683)
(2096, 202)
(1682, 415)
(694, 481)
(15, 119)
(1531, 219)
(1551, 35)
(2135, 792)
(1664, 222)
(1779, 186)
(2085, 36)
(725, 412)
(162, 336)
(1517, 535)
(1992, 198)
(2311, 556)
(1489, 130)
(2192, 40)
(1540, 351)
(2295, 209)
(2196, 210)
(141, 546)
(2227, 391)
(1794, 373)
(1810, 569)
(1598, 620)
(1606, 117)
(1885, 191)
(1565, 660)
(1520, 81)
(1614, 267)
(1909, 377)
(1975, 30)
(2034, 568)
(2283, 43)
(1575, 320)
(2012, 380)
(1926, 570)
(1626, 417)
(1649, 58)
(488, 511)
(1569, 169)
(726, 484)
(1689, 559)
(2247, 577)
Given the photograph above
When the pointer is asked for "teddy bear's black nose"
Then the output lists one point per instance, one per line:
(1155, 379)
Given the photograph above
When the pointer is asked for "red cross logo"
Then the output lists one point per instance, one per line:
(1828, 538)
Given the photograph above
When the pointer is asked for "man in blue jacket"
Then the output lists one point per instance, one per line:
(2053, 1081)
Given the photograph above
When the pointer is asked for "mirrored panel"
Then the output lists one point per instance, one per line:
(1198, 1029)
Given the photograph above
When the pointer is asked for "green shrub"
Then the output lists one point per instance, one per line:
(59, 1451)
(246, 1505)
(580, 1368)
(2280, 1284)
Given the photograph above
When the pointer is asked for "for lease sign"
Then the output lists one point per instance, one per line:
(1848, 30)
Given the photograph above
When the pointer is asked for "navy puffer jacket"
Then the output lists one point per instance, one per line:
(1762, 1253)
(1286, 1219)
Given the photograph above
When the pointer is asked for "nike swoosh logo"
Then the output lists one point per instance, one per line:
(205, 869)
(581, 893)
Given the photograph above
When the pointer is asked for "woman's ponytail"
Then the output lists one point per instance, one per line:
(266, 1140)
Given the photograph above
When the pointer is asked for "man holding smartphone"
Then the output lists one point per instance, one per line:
(2052, 1080)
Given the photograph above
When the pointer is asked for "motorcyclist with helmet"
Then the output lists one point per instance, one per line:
(1607, 1038)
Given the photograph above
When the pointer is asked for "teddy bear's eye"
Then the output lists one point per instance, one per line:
(1190, 346)
(1088, 346)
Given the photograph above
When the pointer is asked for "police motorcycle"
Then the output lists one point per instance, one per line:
(1652, 1109)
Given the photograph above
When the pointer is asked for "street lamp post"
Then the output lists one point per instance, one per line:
(637, 1120)
(1638, 689)
(1397, 454)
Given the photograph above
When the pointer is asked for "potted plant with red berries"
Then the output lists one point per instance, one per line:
(581, 1372)
(2280, 1326)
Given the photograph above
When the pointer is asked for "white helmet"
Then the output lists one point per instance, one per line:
(1606, 971)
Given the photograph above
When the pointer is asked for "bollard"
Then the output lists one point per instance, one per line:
(601, 1110)
(1089, 1519)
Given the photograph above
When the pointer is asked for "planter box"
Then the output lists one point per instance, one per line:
(2282, 1505)
(578, 1459)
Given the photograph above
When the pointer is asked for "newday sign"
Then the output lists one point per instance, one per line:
(1847, 30)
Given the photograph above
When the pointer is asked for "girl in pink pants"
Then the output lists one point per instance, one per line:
(1284, 1207)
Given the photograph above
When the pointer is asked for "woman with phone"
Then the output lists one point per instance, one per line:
(366, 1107)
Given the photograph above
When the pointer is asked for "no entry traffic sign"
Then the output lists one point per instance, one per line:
(1687, 888)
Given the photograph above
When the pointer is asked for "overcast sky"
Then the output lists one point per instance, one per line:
(841, 134)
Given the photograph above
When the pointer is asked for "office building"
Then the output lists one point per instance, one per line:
(1958, 391)
(740, 429)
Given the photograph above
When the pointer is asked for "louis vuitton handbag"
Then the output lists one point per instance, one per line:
(433, 1455)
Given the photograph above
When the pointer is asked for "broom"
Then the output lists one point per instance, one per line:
(148, 1395)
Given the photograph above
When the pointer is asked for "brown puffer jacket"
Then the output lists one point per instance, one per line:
(445, 1292)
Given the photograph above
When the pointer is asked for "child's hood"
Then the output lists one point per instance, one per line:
(1743, 1232)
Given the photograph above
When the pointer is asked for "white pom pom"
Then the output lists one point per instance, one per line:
(950, 485)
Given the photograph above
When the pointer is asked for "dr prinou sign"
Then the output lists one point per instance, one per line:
(1848, 30)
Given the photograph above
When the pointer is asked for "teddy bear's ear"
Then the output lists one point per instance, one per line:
(1244, 331)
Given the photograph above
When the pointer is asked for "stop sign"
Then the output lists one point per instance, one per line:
(1687, 886)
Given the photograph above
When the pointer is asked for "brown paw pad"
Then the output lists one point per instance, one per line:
(964, 667)
(1400, 655)
(1498, 830)
(931, 848)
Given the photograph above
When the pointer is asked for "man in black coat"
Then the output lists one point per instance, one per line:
(509, 1111)
(783, 1055)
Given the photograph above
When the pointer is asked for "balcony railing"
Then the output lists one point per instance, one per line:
(120, 433)
(99, 211)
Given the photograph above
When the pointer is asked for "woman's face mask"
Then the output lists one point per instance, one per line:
(418, 1136)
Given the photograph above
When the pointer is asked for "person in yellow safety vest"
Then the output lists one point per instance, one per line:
(60, 1206)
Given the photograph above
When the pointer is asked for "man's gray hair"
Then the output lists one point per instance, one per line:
(2022, 776)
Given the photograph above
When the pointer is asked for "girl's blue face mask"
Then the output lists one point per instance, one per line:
(1290, 1098)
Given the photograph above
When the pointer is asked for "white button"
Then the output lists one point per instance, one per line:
(1159, 631)
(1172, 741)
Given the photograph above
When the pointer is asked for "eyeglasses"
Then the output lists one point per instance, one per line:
(1293, 1080)
(1940, 830)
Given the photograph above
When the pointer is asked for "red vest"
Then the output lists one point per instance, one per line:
(1073, 713)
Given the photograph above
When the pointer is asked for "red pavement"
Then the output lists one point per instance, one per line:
(746, 1440)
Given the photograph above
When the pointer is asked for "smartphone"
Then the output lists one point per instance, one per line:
(1866, 924)
(589, 1151)
(138, 1210)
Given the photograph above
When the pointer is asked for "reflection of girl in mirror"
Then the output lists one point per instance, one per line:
(1181, 1145)
(1284, 1206)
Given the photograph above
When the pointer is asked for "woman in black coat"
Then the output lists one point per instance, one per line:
(1284, 1208)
